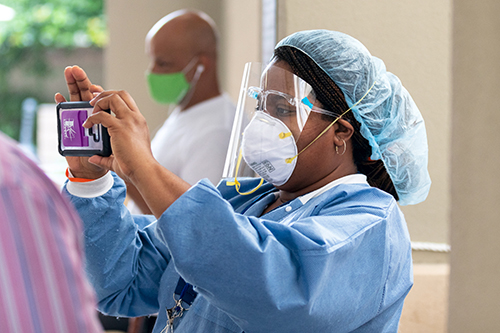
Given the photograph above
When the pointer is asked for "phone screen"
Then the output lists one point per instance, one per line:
(74, 139)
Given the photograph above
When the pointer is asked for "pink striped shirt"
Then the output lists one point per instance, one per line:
(43, 287)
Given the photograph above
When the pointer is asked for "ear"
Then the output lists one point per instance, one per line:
(206, 62)
(343, 132)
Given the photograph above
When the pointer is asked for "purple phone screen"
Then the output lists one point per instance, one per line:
(73, 134)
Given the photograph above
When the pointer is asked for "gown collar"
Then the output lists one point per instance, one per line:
(357, 178)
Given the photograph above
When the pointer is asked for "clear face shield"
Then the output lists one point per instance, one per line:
(275, 110)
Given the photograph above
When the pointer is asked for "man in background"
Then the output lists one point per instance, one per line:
(43, 287)
(193, 141)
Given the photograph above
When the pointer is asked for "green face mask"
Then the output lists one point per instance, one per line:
(167, 88)
(172, 87)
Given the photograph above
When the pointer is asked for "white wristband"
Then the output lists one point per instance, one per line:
(91, 189)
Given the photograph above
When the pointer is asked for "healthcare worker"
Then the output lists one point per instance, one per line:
(319, 246)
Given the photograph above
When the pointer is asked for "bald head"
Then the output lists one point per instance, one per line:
(192, 32)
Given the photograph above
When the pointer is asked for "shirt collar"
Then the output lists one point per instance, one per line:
(357, 178)
(204, 104)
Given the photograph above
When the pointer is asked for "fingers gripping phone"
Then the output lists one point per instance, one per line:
(74, 139)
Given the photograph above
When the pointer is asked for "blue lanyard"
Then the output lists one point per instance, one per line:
(186, 294)
(185, 291)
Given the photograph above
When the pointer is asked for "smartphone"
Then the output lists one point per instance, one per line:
(74, 139)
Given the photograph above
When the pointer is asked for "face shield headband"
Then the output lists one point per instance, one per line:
(273, 116)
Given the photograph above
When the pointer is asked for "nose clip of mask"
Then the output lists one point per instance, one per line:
(284, 135)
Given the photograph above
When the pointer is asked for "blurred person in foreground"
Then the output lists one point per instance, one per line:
(43, 287)
(317, 244)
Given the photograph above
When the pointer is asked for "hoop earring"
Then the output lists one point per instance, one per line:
(337, 148)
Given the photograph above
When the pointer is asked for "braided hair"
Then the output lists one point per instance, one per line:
(332, 99)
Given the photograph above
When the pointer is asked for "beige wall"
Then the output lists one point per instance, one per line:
(426, 307)
(475, 228)
(240, 34)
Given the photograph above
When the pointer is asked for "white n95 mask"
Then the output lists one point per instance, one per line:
(269, 148)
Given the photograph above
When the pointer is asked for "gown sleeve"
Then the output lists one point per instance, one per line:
(125, 260)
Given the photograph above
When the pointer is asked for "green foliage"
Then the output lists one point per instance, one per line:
(41, 25)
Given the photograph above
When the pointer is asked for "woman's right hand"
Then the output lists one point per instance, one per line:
(132, 159)
(80, 89)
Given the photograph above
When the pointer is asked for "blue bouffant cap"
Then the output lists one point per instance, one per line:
(389, 118)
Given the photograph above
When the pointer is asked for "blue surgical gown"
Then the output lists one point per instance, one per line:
(341, 262)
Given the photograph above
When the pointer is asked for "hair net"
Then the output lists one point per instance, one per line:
(389, 118)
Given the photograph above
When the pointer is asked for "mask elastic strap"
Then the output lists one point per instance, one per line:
(190, 65)
(192, 85)
(237, 184)
(290, 159)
